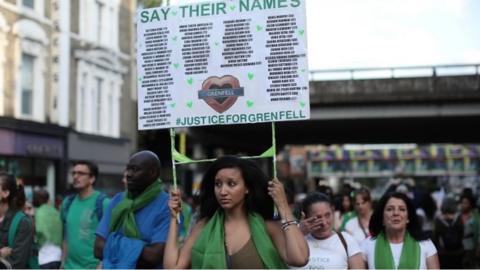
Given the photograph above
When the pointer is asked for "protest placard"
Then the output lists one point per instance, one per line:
(225, 62)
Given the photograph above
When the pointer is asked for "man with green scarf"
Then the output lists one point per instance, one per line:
(133, 230)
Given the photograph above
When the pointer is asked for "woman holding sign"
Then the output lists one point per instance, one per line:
(235, 227)
(397, 241)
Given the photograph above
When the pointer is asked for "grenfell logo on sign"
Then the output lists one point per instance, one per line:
(220, 93)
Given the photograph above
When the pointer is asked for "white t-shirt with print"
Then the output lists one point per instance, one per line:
(427, 249)
(353, 228)
(330, 253)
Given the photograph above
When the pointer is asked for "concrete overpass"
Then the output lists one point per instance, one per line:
(421, 104)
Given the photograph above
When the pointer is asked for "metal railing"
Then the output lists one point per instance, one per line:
(394, 72)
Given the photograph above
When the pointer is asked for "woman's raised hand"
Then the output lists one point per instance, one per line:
(175, 203)
(308, 225)
(277, 192)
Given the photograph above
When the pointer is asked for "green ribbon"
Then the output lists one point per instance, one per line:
(409, 258)
(123, 215)
(208, 252)
(269, 153)
(179, 157)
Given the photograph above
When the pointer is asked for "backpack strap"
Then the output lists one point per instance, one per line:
(344, 243)
(12, 230)
(99, 205)
(64, 212)
(66, 206)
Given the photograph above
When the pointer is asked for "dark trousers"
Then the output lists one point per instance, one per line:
(51, 265)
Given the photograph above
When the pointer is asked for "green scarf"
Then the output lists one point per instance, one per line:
(123, 215)
(208, 252)
(409, 259)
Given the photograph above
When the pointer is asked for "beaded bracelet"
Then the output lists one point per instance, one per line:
(288, 223)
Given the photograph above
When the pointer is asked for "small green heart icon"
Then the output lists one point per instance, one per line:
(174, 38)
(301, 32)
(190, 104)
(249, 103)
(232, 7)
(302, 104)
(216, 43)
(139, 79)
(190, 81)
(172, 105)
(250, 75)
(176, 65)
(302, 70)
(174, 13)
(259, 28)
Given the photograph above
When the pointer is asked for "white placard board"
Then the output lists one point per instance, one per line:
(218, 63)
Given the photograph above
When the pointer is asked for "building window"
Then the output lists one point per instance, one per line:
(30, 62)
(82, 103)
(99, 7)
(27, 84)
(111, 115)
(97, 105)
(99, 22)
(28, 3)
(98, 108)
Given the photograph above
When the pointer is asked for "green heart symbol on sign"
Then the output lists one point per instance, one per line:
(189, 104)
(174, 38)
(302, 70)
(190, 81)
(302, 104)
(232, 7)
(139, 79)
(172, 105)
(250, 75)
(176, 65)
(259, 28)
(174, 13)
(301, 32)
(249, 103)
(216, 43)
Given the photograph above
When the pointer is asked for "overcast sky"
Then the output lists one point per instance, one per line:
(390, 33)
(379, 33)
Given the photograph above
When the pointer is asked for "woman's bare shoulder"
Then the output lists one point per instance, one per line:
(200, 224)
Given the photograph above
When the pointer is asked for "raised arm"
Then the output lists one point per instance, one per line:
(296, 252)
(356, 262)
(175, 257)
(432, 262)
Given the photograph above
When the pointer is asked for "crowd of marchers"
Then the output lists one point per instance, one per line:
(240, 219)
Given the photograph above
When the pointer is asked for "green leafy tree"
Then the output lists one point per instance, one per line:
(153, 3)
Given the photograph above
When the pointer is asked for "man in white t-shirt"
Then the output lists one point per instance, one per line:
(328, 249)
